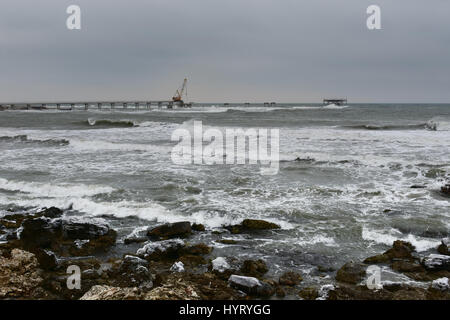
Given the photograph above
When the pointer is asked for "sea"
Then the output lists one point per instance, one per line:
(351, 180)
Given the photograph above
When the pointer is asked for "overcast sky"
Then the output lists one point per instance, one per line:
(231, 50)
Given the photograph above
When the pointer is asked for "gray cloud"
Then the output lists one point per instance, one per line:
(234, 50)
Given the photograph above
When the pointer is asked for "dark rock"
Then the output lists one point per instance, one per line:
(254, 268)
(162, 250)
(280, 292)
(309, 293)
(171, 230)
(436, 262)
(197, 249)
(418, 187)
(249, 225)
(444, 247)
(446, 189)
(290, 278)
(352, 273)
(401, 250)
(40, 232)
(251, 286)
(47, 259)
(134, 272)
(227, 241)
(135, 239)
(51, 212)
(406, 266)
(198, 227)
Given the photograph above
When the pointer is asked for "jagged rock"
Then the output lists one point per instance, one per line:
(220, 264)
(436, 262)
(40, 232)
(171, 230)
(112, 293)
(47, 259)
(254, 268)
(19, 275)
(135, 239)
(280, 292)
(67, 236)
(197, 249)
(251, 286)
(177, 267)
(51, 212)
(160, 250)
(444, 247)
(309, 293)
(400, 250)
(351, 272)
(249, 225)
(198, 227)
(134, 272)
(441, 284)
(407, 266)
(290, 278)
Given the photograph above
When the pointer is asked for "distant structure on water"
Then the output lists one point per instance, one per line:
(337, 102)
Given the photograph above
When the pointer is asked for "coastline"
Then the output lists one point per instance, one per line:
(42, 245)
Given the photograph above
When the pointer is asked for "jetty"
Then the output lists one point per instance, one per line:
(87, 105)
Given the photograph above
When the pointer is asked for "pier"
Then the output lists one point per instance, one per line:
(89, 105)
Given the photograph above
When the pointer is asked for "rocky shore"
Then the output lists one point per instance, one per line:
(38, 249)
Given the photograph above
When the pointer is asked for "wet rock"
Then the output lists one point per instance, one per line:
(47, 259)
(227, 241)
(249, 225)
(40, 232)
(51, 212)
(67, 236)
(177, 267)
(400, 250)
(280, 292)
(134, 272)
(198, 227)
(19, 275)
(446, 189)
(220, 264)
(197, 249)
(135, 239)
(161, 250)
(407, 266)
(254, 268)
(441, 284)
(444, 247)
(436, 262)
(171, 230)
(251, 286)
(418, 187)
(290, 278)
(309, 293)
(352, 273)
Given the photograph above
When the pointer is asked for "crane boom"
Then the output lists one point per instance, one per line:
(179, 93)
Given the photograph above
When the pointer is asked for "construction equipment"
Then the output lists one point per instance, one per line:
(178, 97)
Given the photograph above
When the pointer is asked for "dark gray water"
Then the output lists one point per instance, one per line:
(350, 196)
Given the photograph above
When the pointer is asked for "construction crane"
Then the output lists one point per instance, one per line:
(178, 97)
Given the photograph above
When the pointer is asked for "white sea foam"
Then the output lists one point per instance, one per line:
(388, 237)
(53, 190)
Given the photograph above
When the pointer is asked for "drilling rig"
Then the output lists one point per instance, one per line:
(178, 96)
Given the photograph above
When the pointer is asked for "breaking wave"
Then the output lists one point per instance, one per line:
(438, 124)
(25, 139)
(419, 126)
